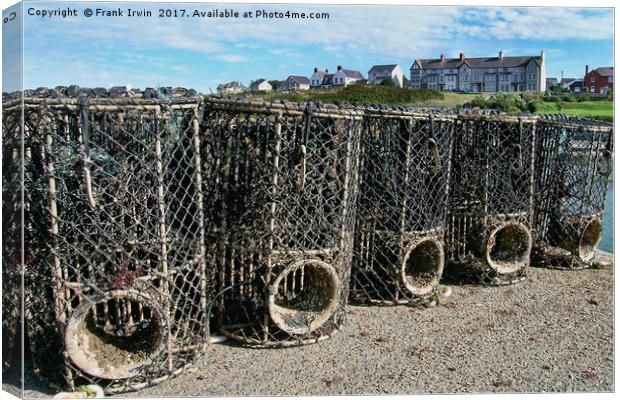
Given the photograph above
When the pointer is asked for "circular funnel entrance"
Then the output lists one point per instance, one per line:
(422, 266)
(304, 296)
(116, 334)
(508, 247)
(590, 239)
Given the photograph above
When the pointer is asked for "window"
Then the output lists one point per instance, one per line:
(516, 70)
(592, 89)
(592, 79)
(490, 70)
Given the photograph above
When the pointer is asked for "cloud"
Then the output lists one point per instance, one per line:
(231, 58)
(548, 23)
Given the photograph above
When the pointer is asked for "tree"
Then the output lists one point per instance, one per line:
(388, 82)
(275, 83)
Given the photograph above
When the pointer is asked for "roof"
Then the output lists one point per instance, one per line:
(299, 79)
(479, 62)
(605, 71)
(389, 67)
(349, 73)
(577, 82)
(321, 74)
(567, 80)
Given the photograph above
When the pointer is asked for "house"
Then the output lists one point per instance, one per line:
(576, 86)
(566, 82)
(294, 82)
(599, 81)
(551, 82)
(231, 87)
(378, 73)
(481, 74)
(260, 85)
(321, 79)
(345, 77)
(316, 80)
(328, 80)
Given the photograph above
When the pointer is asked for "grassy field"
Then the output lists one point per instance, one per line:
(588, 109)
(392, 96)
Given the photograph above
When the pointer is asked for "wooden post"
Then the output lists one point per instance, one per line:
(201, 230)
(272, 212)
(161, 206)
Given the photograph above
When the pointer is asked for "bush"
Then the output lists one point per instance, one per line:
(364, 94)
(552, 99)
(534, 106)
(388, 82)
(479, 101)
(529, 97)
(568, 99)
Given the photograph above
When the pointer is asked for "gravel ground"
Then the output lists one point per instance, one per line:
(552, 333)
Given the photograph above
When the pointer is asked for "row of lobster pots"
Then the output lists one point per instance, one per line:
(151, 224)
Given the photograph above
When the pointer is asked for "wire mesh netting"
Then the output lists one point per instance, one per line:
(12, 261)
(115, 287)
(488, 234)
(405, 162)
(573, 171)
(283, 180)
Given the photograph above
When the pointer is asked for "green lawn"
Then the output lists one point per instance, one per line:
(452, 99)
(368, 94)
(603, 110)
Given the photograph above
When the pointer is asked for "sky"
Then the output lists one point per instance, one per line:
(200, 53)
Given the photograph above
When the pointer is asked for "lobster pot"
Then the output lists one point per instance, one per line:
(282, 217)
(573, 169)
(114, 267)
(405, 164)
(488, 233)
(12, 295)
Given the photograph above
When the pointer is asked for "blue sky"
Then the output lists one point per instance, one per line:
(200, 53)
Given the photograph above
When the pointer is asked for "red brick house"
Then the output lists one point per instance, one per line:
(599, 81)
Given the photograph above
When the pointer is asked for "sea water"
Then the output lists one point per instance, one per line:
(607, 242)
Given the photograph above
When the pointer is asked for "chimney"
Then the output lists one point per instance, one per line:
(326, 71)
(316, 69)
(339, 67)
(501, 55)
(461, 56)
(587, 68)
(442, 57)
